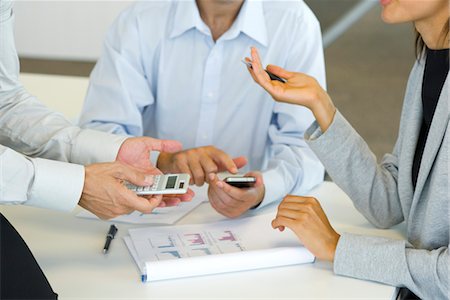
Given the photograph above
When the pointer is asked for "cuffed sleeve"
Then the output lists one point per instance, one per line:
(39, 182)
(56, 185)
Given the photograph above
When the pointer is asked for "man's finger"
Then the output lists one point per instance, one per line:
(208, 165)
(162, 145)
(171, 146)
(197, 171)
(224, 161)
(216, 201)
(134, 176)
(173, 201)
(184, 168)
(182, 197)
(141, 204)
(240, 161)
(236, 193)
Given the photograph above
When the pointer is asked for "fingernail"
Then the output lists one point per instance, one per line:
(211, 176)
(148, 179)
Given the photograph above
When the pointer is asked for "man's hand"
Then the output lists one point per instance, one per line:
(105, 195)
(136, 151)
(232, 201)
(174, 200)
(199, 162)
(306, 218)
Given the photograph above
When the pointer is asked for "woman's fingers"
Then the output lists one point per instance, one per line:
(280, 72)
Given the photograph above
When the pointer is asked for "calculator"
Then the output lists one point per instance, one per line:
(163, 184)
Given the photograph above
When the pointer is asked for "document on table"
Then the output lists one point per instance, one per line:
(228, 246)
(162, 215)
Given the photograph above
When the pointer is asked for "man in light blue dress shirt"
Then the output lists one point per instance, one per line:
(181, 60)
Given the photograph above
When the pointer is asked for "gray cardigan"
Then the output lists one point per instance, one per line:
(384, 194)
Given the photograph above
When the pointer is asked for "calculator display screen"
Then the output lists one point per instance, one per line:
(171, 182)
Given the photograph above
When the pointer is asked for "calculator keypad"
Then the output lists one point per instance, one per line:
(151, 188)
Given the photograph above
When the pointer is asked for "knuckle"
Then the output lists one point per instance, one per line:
(309, 207)
(311, 199)
(211, 168)
(230, 214)
(179, 159)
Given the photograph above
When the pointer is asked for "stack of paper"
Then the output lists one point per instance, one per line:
(202, 249)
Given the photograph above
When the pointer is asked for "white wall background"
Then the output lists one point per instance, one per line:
(72, 30)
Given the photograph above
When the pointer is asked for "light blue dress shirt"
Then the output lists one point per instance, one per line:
(162, 75)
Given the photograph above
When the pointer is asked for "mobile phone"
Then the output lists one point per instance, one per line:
(163, 184)
(241, 181)
(271, 75)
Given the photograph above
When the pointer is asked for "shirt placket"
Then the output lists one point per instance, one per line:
(209, 96)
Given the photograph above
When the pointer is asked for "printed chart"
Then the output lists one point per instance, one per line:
(191, 244)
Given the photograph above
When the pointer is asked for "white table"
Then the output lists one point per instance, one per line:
(69, 251)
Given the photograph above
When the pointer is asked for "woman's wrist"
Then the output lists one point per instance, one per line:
(333, 246)
(324, 111)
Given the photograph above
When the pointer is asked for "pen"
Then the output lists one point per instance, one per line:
(109, 237)
(271, 75)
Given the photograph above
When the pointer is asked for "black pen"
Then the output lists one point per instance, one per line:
(109, 237)
(271, 75)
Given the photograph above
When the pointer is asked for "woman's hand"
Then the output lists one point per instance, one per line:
(299, 89)
(306, 218)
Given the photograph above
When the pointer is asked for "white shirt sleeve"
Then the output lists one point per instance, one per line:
(39, 182)
(30, 128)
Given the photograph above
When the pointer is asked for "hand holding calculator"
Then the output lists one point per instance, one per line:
(163, 185)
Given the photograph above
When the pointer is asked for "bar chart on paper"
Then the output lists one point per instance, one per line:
(227, 246)
(192, 244)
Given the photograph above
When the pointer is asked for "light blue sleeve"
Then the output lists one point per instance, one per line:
(119, 90)
(293, 168)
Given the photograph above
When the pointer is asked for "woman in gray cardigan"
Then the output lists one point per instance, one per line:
(410, 185)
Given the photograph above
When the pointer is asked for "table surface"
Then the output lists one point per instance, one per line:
(69, 250)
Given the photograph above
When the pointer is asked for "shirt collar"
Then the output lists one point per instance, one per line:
(186, 17)
(250, 21)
